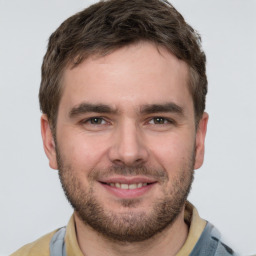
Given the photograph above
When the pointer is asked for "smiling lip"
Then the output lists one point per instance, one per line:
(128, 187)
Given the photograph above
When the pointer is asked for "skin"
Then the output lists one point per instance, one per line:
(126, 81)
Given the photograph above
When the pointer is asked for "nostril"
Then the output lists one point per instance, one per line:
(129, 163)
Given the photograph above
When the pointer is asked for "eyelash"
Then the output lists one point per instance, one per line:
(160, 119)
(91, 119)
(164, 119)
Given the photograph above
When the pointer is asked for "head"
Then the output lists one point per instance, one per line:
(109, 25)
(123, 97)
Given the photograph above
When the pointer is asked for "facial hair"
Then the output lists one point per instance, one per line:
(130, 225)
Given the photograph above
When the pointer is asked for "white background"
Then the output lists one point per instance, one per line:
(224, 191)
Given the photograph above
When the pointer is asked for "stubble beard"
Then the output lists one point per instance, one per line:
(131, 225)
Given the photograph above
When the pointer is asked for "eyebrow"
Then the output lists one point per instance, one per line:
(166, 108)
(88, 107)
(106, 109)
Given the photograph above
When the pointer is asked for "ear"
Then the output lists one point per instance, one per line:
(48, 141)
(200, 140)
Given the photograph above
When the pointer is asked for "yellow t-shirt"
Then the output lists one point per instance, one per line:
(41, 246)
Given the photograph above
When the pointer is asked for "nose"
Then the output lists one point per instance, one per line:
(128, 147)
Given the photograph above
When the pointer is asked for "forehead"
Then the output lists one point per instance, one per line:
(136, 74)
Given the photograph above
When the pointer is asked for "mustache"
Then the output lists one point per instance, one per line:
(157, 174)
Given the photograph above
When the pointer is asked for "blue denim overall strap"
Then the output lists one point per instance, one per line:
(209, 244)
(57, 244)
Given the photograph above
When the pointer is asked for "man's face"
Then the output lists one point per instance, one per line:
(126, 144)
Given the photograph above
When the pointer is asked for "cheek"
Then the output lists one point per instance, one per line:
(81, 151)
(172, 152)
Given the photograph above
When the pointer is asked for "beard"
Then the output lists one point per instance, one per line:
(131, 225)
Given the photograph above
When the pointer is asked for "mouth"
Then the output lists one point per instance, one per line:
(128, 188)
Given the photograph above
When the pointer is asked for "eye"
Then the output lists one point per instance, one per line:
(160, 120)
(96, 120)
(95, 123)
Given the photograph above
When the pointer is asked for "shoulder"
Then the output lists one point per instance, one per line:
(210, 243)
(40, 247)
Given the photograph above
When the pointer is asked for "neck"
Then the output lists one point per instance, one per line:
(166, 243)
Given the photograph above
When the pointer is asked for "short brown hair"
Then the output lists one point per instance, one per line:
(112, 24)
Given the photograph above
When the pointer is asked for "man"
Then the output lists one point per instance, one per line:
(123, 96)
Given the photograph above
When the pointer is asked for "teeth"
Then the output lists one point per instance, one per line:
(133, 186)
(127, 186)
(124, 186)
